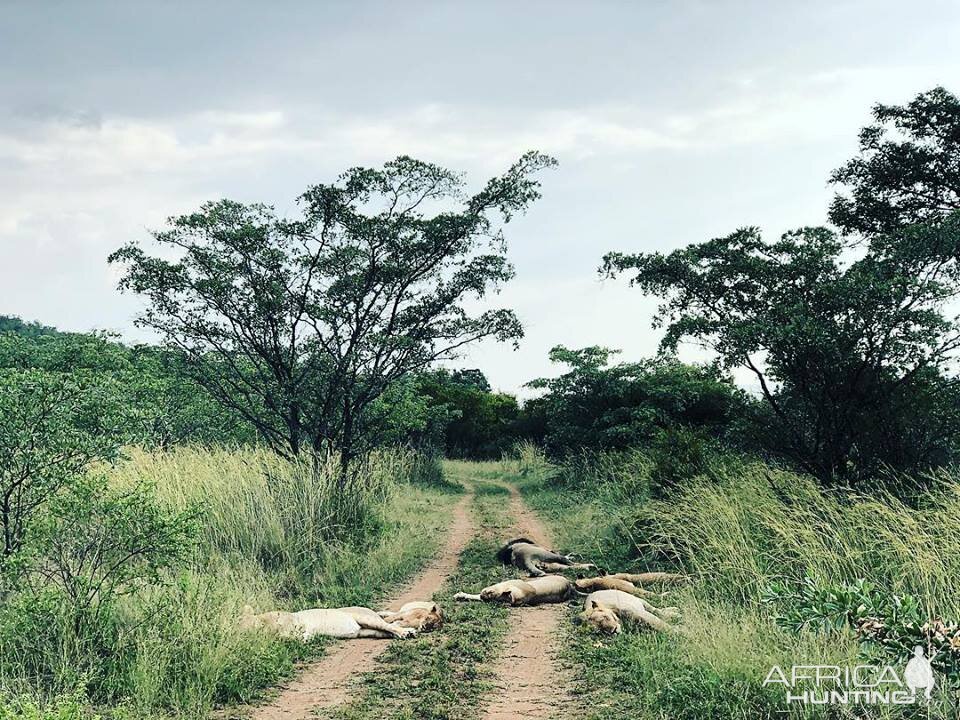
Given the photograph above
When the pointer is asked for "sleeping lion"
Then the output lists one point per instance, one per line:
(628, 582)
(345, 623)
(532, 591)
(525, 554)
(605, 610)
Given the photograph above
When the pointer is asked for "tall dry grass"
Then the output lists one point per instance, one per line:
(273, 534)
(737, 527)
(741, 530)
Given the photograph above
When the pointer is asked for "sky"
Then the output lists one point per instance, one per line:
(673, 122)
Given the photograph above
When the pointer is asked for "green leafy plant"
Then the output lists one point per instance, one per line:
(52, 425)
(97, 543)
(889, 626)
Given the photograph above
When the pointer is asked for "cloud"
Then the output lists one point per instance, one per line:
(79, 182)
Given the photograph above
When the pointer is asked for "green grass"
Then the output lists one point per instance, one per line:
(443, 674)
(736, 529)
(275, 535)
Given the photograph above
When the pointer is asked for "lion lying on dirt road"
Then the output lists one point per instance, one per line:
(419, 615)
(605, 610)
(525, 554)
(344, 623)
(532, 591)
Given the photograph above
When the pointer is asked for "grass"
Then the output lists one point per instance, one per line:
(737, 529)
(274, 535)
(443, 674)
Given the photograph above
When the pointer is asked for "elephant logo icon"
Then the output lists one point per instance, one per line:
(919, 673)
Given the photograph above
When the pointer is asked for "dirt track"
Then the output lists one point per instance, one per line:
(327, 683)
(530, 681)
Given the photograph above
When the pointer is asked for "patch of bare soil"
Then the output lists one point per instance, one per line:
(529, 678)
(329, 682)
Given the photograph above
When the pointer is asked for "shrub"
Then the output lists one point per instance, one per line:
(677, 453)
(889, 626)
(97, 543)
(52, 426)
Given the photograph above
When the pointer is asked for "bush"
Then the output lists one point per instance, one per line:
(52, 427)
(675, 454)
(97, 543)
(597, 406)
(68, 706)
(889, 626)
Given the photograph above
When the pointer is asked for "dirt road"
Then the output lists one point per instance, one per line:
(327, 683)
(530, 681)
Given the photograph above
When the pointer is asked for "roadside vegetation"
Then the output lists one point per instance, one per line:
(264, 531)
(782, 573)
(281, 448)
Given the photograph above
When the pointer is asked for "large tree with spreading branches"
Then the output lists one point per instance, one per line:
(301, 324)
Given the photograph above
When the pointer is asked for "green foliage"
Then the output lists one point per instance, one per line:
(52, 426)
(95, 543)
(598, 406)
(13, 324)
(271, 533)
(746, 526)
(818, 605)
(677, 453)
(889, 626)
(476, 423)
(68, 706)
(301, 325)
(907, 171)
(155, 401)
(846, 347)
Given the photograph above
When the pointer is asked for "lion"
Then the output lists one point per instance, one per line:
(650, 577)
(525, 554)
(605, 610)
(344, 623)
(532, 591)
(609, 582)
(628, 582)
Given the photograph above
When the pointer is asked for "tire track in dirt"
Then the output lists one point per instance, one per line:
(329, 682)
(529, 678)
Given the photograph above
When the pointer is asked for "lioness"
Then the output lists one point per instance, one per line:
(418, 615)
(609, 582)
(650, 577)
(525, 554)
(532, 591)
(345, 623)
(606, 610)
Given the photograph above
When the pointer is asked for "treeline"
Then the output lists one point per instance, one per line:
(848, 333)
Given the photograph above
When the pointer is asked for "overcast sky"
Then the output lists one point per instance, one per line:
(673, 122)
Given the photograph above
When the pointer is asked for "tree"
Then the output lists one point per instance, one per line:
(13, 324)
(477, 423)
(835, 346)
(908, 168)
(601, 406)
(299, 325)
(159, 403)
(52, 426)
